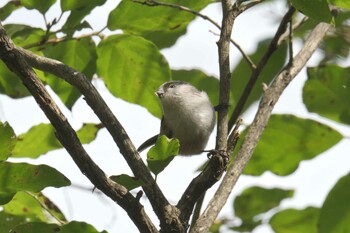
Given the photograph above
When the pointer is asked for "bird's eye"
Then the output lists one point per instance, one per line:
(171, 85)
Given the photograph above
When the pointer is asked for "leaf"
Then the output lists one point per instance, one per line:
(78, 11)
(88, 132)
(24, 35)
(146, 21)
(79, 54)
(242, 72)
(16, 177)
(257, 200)
(132, 69)
(35, 227)
(340, 3)
(315, 9)
(5, 198)
(74, 227)
(162, 153)
(7, 9)
(68, 5)
(9, 221)
(128, 182)
(41, 139)
(41, 5)
(22, 204)
(10, 84)
(327, 92)
(71, 227)
(288, 140)
(7, 140)
(335, 212)
(292, 220)
(30, 205)
(201, 81)
(165, 38)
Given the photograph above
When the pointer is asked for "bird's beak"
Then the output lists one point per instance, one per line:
(160, 93)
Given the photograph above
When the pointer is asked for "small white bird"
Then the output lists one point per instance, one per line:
(187, 115)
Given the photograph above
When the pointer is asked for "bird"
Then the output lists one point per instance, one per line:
(188, 116)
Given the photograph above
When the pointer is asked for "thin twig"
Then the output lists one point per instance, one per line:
(250, 4)
(62, 39)
(245, 56)
(152, 3)
(179, 7)
(258, 125)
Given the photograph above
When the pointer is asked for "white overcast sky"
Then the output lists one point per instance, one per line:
(197, 48)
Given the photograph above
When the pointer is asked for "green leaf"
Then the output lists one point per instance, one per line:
(35, 227)
(10, 84)
(41, 5)
(67, 5)
(16, 177)
(340, 3)
(71, 227)
(335, 212)
(88, 132)
(165, 38)
(6, 10)
(7, 140)
(327, 92)
(288, 140)
(162, 153)
(41, 139)
(132, 68)
(74, 227)
(292, 220)
(31, 205)
(257, 200)
(242, 72)
(24, 35)
(24, 204)
(149, 21)
(5, 198)
(9, 221)
(78, 11)
(127, 181)
(197, 78)
(79, 54)
(315, 9)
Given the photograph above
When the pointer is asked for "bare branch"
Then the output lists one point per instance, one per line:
(256, 73)
(68, 137)
(267, 103)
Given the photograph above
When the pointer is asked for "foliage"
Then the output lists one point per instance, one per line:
(131, 65)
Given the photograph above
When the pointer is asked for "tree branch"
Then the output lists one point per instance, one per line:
(268, 101)
(217, 165)
(159, 203)
(256, 72)
(68, 137)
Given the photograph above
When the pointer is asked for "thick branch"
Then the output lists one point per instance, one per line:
(68, 138)
(256, 72)
(95, 101)
(268, 101)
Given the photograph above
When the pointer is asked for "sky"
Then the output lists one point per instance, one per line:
(312, 180)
